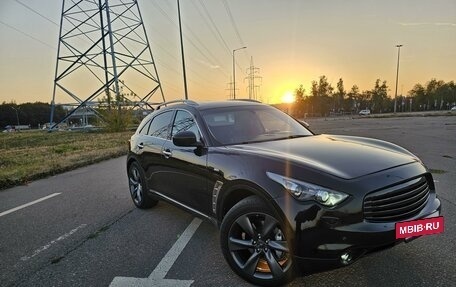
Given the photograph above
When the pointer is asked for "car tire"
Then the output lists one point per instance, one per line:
(138, 187)
(257, 244)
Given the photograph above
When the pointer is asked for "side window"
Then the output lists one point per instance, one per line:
(145, 128)
(160, 125)
(184, 121)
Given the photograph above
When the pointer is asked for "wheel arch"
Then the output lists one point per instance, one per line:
(237, 192)
(130, 160)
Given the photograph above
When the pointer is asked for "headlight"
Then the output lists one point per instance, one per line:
(306, 191)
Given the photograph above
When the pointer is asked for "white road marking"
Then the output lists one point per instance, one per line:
(156, 278)
(28, 204)
(47, 246)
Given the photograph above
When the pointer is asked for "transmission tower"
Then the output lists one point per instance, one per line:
(230, 89)
(252, 72)
(104, 59)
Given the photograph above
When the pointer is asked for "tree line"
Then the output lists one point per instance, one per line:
(323, 99)
(33, 114)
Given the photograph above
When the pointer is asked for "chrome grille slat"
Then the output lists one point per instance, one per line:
(398, 202)
(405, 201)
(393, 198)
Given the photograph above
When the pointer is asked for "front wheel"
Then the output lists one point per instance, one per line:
(255, 244)
(138, 187)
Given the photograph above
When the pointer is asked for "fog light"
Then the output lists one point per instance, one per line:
(346, 258)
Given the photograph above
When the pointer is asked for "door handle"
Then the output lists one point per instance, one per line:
(167, 153)
(140, 145)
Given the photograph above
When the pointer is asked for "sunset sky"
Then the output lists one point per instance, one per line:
(291, 42)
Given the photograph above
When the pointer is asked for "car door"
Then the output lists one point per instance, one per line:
(185, 167)
(152, 159)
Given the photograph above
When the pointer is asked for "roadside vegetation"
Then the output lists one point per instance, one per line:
(26, 156)
(324, 100)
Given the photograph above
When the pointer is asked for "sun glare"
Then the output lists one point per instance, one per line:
(288, 98)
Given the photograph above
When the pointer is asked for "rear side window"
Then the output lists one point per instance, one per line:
(160, 125)
(145, 128)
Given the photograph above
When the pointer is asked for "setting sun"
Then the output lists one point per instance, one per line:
(288, 98)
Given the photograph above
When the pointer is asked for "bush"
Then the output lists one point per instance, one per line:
(117, 120)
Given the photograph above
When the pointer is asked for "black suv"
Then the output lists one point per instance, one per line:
(281, 195)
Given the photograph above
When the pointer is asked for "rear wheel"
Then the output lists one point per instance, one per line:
(138, 187)
(255, 244)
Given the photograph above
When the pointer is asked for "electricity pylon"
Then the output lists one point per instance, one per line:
(103, 58)
(252, 72)
(230, 89)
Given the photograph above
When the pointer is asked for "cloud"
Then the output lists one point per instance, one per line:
(428, 24)
(209, 65)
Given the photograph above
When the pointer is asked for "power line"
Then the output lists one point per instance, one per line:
(28, 35)
(38, 13)
(233, 23)
(170, 19)
(215, 26)
(87, 39)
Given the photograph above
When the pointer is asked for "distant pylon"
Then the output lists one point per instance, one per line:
(252, 72)
(103, 54)
(230, 89)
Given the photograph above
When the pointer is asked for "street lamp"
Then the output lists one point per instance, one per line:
(397, 74)
(234, 72)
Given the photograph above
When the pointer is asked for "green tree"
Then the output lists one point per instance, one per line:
(116, 115)
(339, 96)
(418, 95)
(351, 104)
(32, 114)
(300, 93)
(314, 89)
(300, 103)
(324, 88)
(379, 97)
(435, 95)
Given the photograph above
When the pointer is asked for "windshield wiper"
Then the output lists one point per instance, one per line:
(290, 137)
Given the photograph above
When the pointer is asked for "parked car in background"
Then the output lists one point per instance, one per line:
(283, 197)
(364, 112)
(15, 128)
(453, 109)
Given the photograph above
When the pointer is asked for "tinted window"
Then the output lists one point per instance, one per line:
(160, 125)
(184, 121)
(246, 124)
(145, 128)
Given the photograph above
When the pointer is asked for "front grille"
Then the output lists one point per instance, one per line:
(398, 202)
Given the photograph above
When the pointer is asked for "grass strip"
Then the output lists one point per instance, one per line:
(31, 155)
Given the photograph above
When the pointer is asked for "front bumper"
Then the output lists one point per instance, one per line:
(329, 238)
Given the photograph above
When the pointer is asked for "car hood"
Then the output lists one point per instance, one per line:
(342, 156)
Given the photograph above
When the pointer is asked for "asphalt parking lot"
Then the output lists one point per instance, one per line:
(80, 228)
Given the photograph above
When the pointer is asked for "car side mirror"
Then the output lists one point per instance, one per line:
(186, 139)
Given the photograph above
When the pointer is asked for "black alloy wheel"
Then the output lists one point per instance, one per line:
(254, 243)
(138, 187)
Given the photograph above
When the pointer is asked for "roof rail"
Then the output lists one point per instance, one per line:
(188, 102)
(246, 100)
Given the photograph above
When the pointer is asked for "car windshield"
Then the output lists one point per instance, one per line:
(250, 124)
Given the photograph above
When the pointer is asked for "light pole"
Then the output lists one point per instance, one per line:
(234, 72)
(182, 51)
(397, 74)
